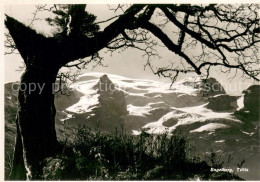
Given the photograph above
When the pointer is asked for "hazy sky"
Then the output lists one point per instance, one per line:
(129, 63)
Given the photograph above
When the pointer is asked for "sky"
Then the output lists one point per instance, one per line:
(129, 63)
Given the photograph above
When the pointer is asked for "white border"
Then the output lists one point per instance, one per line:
(3, 2)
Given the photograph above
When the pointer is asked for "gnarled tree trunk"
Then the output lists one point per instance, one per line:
(36, 136)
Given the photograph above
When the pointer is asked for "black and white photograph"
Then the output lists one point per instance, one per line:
(101, 91)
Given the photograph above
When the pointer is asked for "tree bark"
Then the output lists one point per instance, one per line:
(18, 170)
(36, 136)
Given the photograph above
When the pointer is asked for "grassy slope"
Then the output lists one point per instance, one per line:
(102, 156)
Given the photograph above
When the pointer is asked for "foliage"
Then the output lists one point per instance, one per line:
(73, 19)
(102, 156)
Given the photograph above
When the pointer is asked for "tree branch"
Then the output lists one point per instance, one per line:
(167, 42)
(26, 39)
(84, 47)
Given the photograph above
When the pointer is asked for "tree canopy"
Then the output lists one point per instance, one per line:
(223, 35)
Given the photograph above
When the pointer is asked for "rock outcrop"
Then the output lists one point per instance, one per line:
(252, 98)
(251, 102)
(223, 103)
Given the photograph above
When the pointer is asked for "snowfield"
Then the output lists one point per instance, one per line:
(143, 97)
(210, 127)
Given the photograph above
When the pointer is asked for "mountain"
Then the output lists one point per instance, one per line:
(133, 103)
(201, 109)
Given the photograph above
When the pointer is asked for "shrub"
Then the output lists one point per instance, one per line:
(96, 155)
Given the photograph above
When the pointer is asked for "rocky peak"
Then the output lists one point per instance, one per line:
(206, 87)
(105, 85)
(112, 107)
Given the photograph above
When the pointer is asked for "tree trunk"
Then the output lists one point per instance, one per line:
(43, 57)
(18, 170)
(36, 136)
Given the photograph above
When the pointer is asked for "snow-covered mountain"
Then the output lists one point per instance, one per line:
(212, 120)
(110, 101)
